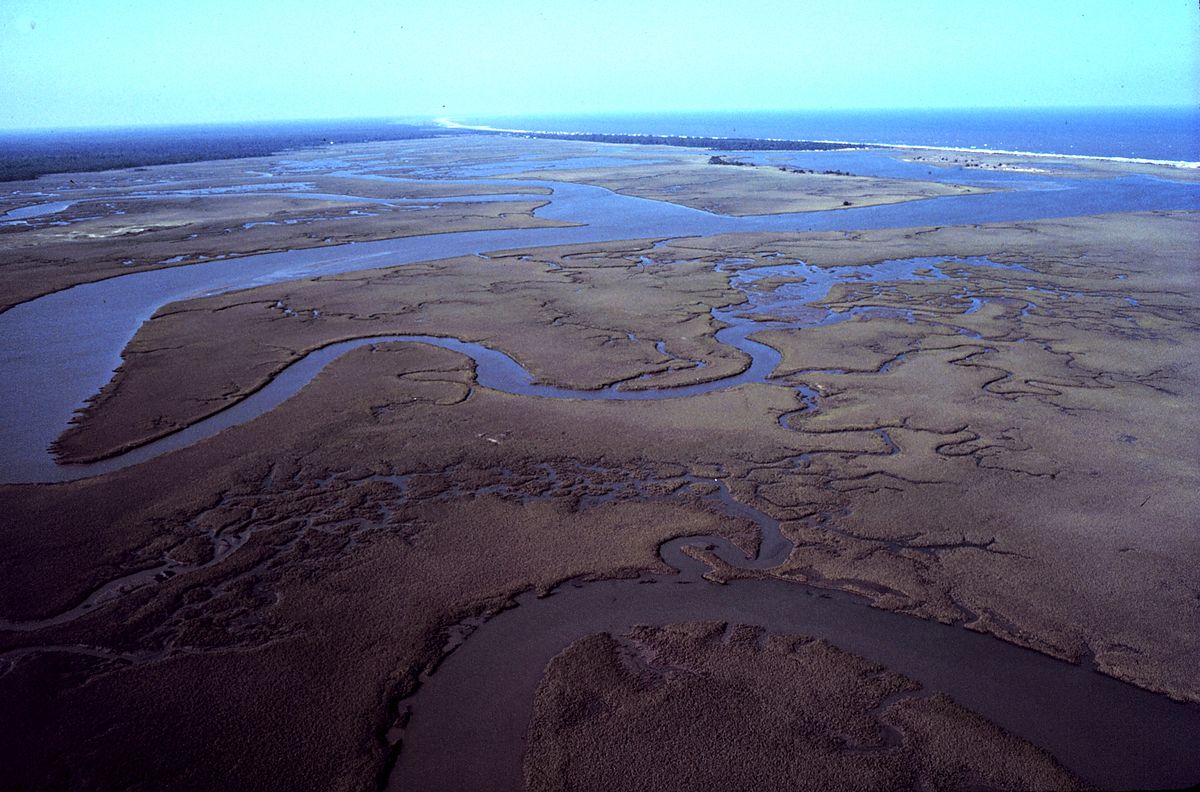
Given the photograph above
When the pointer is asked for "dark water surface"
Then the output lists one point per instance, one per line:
(468, 719)
(1161, 133)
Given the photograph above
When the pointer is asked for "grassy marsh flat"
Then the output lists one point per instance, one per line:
(998, 439)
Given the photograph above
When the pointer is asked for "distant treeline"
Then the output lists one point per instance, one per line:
(715, 143)
(26, 155)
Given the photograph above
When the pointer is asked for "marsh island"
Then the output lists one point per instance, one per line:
(487, 461)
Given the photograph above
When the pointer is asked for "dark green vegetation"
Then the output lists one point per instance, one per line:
(27, 155)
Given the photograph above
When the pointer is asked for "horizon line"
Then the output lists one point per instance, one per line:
(432, 118)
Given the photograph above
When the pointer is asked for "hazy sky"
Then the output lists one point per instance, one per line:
(105, 62)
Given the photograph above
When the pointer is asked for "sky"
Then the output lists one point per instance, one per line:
(67, 63)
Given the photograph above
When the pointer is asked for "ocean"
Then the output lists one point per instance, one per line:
(1171, 134)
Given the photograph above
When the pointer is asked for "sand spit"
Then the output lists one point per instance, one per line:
(450, 124)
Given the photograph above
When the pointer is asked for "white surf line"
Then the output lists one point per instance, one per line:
(1015, 153)
(1187, 164)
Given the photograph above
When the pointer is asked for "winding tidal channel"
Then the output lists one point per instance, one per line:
(467, 721)
(479, 700)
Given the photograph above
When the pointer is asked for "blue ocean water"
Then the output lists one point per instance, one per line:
(1145, 133)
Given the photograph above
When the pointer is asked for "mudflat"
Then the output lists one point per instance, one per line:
(984, 425)
(727, 185)
(112, 225)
